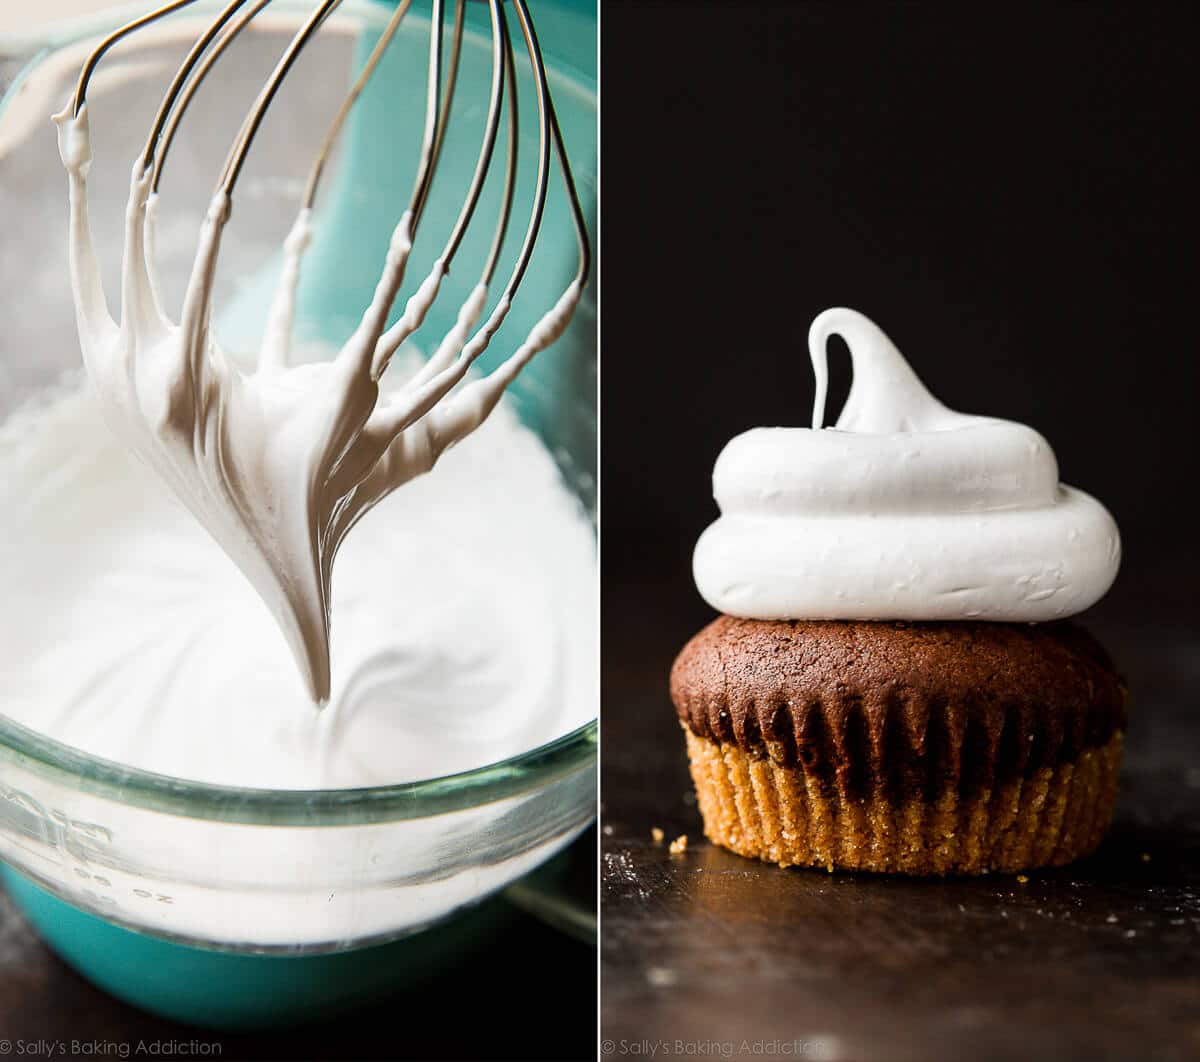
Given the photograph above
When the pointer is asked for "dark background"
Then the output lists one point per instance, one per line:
(1008, 191)
(1011, 198)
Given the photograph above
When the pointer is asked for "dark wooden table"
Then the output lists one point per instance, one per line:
(709, 955)
(532, 996)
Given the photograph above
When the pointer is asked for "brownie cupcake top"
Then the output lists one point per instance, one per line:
(965, 701)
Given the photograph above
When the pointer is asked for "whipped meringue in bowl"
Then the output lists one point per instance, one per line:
(164, 764)
(904, 510)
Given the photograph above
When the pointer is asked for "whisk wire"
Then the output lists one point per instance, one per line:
(335, 128)
(427, 161)
(179, 107)
(258, 111)
(181, 76)
(371, 345)
(446, 425)
(118, 35)
(510, 174)
(470, 311)
(460, 16)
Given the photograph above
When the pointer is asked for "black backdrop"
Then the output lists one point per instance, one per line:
(1010, 197)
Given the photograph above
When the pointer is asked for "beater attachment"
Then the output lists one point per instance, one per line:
(281, 461)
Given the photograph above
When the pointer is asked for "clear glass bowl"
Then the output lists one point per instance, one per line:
(295, 873)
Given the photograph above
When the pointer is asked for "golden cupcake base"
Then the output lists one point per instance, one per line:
(765, 810)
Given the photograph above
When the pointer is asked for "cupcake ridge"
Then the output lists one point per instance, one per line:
(830, 695)
(911, 748)
(904, 510)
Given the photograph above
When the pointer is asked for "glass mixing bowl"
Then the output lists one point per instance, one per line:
(327, 897)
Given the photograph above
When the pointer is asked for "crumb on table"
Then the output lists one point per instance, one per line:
(1022, 879)
(679, 845)
(656, 835)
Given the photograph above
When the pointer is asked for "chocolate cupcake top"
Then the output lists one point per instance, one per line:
(963, 702)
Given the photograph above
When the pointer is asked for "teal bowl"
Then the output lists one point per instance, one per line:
(235, 991)
(403, 881)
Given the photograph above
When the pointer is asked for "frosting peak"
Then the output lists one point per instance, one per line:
(885, 394)
(906, 509)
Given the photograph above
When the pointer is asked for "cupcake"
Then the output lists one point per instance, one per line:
(893, 684)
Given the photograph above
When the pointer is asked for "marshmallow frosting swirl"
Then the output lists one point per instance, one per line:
(906, 510)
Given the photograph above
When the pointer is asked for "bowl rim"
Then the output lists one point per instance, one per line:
(29, 47)
(534, 769)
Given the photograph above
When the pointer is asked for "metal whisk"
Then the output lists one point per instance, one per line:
(441, 81)
(379, 440)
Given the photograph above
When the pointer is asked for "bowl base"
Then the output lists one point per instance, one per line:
(240, 991)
